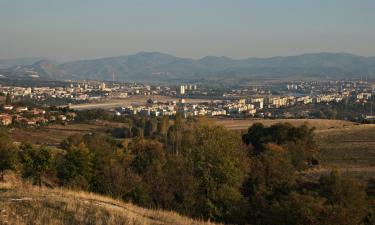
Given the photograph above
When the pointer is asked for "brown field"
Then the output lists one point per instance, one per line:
(54, 134)
(22, 204)
(345, 146)
(319, 124)
(350, 150)
(132, 100)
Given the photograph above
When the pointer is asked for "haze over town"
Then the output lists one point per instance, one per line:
(204, 112)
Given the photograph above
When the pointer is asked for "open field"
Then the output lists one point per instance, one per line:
(23, 204)
(132, 100)
(54, 134)
(319, 124)
(345, 146)
(350, 149)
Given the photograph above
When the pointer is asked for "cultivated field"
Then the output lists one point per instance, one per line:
(319, 124)
(54, 134)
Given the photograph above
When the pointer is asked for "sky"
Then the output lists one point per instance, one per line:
(81, 29)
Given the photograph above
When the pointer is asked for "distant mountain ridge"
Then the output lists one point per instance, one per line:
(161, 67)
(4, 63)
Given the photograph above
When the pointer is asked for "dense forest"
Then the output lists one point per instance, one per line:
(201, 170)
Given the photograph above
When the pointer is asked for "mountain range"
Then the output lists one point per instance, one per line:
(4, 63)
(160, 67)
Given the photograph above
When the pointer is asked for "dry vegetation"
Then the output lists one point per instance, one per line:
(345, 146)
(350, 149)
(243, 124)
(55, 133)
(22, 204)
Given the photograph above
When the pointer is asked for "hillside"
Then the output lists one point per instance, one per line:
(344, 146)
(160, 67)
(25, 204)
(18, 62)
(207, 179)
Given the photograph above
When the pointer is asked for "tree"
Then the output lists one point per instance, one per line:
(75, 169)
(256, 136)
(175, 133)
(118, 175)
(219, 166)
(102, 151)
(8, 154)
(151, 127)
(36, 162)
(8, 99)
(182, 184)
(298, 141)
(123, 132)
(296, 209)
(148, 163)
(137, 132)
(346, 198)
(146, 152)
(163, 126)
(271, 178)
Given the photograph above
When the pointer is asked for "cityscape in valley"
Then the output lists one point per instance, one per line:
(191, 112)
(276, 100)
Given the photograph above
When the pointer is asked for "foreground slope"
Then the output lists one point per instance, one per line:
(25, 204)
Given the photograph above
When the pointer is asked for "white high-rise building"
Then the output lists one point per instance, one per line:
(182, 89)
(102, 86)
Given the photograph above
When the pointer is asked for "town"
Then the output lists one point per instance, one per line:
(33, 106)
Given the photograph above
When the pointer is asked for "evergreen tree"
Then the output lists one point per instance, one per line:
(36, 162)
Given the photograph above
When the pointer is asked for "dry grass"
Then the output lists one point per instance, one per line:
(26, 204)
(55, 133)
(349, 149)
(345, 146)
(243, 124)
(351, 145)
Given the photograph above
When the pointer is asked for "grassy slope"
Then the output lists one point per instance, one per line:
(24, 204)
(345, 146)
(350, 150)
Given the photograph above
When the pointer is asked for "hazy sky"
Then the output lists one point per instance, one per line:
(74, 29)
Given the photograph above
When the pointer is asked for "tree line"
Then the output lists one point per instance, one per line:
(201, 170)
